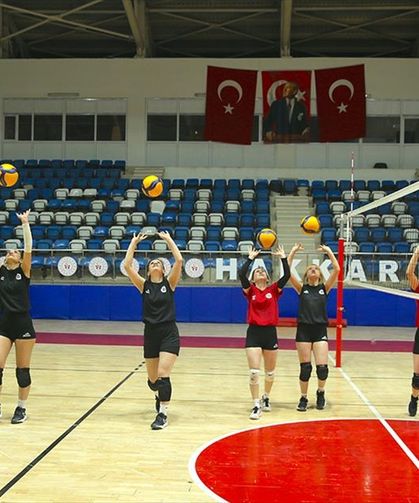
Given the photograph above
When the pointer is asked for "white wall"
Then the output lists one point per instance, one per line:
(141, 79)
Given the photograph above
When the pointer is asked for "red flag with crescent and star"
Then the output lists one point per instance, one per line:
(273, 85)
(230, 105)
(341, 103)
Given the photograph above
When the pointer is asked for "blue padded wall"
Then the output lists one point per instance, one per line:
(208, 304)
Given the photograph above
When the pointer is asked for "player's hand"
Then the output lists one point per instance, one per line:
(24, 217)
(279, 252)
(253, 253)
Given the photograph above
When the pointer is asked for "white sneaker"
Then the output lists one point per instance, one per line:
(256, 413)
(265, 403)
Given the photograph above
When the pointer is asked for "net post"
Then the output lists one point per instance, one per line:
(339, 303)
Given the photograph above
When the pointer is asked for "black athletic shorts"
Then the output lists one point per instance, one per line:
(261, 337)
(416, 343)
(311, 333)
(161, 337)
(17, 326)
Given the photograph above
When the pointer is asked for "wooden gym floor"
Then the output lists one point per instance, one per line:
(88, 436)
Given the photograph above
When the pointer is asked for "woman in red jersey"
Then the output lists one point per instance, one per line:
(262, 316)
(414, 285)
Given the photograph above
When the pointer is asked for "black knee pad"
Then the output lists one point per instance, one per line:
(164, 387)
(152, 385)
(1, 377)
(415, 381)
(322, 372)
(23, 377)
(305, 371)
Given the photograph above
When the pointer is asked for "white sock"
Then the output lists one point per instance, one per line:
(256, 402)
(21, 403)
(163, 408)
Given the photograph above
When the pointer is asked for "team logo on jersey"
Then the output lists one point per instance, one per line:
(163, 289)
(268, 296)
(305, 291)
(18, 276)
(321, 292)
(147, 291)
(253, 297)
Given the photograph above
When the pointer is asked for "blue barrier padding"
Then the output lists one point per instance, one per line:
(208, 304)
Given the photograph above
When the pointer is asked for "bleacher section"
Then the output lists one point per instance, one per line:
(87, 206)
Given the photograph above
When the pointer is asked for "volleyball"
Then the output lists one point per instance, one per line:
(266, 238)
(152, 186)
(310, 224)
(8, 175)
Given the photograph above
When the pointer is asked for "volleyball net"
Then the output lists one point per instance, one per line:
(376, 242)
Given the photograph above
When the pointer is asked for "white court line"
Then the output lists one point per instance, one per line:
(390, 430)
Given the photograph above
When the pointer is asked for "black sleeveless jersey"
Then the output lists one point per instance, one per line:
(158, 302)
(14, 290)
(312, 308)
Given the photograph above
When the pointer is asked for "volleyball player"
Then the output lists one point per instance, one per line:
(312, 324)
(414, 284)
(15, 323)
(262, 316)
(161, 335)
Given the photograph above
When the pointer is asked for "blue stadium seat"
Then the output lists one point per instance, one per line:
(384, 247)
(401, 247)
(247, 183)
(289, 186)
(373, 185)
(61, 244)
(192, 183)
(378, 234)
(246, 233)
(182, 233)
(212, 246)
(394, 234)
(101, 231)
(53, 232)
(213, 233)
(229, 245)
(69, 232)
(326, 220)
(94, 244)
(331, 185)
(6, 232)
(367, 247)
(344, 185)
(231, 219)
(317, 185)
(262, 220)
(247, 220)
(184, 219)
(322, 208)
(328, 234)
(361, 234)
(359, 185)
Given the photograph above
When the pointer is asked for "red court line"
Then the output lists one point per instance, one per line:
(189, 341)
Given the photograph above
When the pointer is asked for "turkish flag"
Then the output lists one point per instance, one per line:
(273, 85)
(341, 103)
(230, 105)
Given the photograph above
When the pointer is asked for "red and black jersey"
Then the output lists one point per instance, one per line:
(263, 305)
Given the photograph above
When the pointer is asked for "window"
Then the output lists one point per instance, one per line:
(191, 127)
(411, 130)
(382, 130)
(48, 127)
(110, 128)
(25, 127)
(9, 127)
(80, 127)
(161, 128)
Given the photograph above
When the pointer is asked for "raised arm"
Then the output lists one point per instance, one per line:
(294, 281)
(27, 243)
(136, 279)
(280, 252)
(244, 280)
(411, 268)
(176, 271)
(336, 268)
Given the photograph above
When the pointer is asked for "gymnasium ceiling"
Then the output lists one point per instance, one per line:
(208, 28)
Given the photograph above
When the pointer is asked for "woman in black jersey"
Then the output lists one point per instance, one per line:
(161, 336)
(262, 316)
(414, 285)
(312, 324)
(15, 322)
